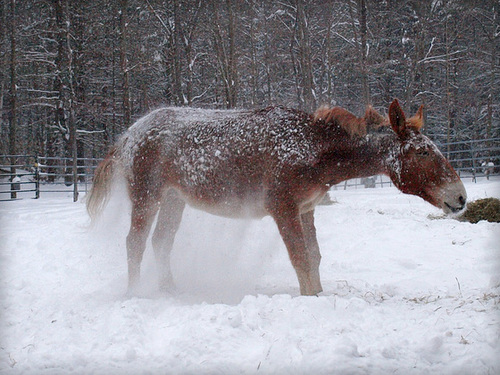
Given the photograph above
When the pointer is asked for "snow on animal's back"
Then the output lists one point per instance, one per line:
(198, 134)
(169, 123)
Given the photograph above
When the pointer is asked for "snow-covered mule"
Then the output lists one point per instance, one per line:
(275, 161)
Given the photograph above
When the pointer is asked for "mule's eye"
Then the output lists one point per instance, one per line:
(423, 152)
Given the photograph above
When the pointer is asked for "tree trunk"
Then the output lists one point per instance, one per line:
(361, 43)
(495, 36)
(253, 62)
(188, 48)
(64, 83)
(226, 54)
(448, 90)
(189, 77)
(327, 73)
(268, 58)
(306, 70)
(65, 80)
(176, 76)
(3, 70)
(233, 72)
(13, 94)
(127, 113)
(71, 103)
(298, 91)
(418, 85)
(114, 82)
(364, 68)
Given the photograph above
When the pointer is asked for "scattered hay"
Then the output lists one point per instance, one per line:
(437, 217)
(482, 209)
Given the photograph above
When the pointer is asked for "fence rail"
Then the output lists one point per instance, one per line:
(29, 176)
(474, 158)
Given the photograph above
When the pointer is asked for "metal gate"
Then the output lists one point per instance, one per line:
(28, 176)
(474, 158)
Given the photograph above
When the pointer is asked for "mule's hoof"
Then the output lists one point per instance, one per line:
(130, 293)
(167, 287)
(134, 289)
(311, 292)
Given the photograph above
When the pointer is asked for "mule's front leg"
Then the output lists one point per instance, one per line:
(304, 261)
(312, 246)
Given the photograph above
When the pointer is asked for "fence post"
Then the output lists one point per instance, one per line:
(37, 178)
(473, 157)
(75, 177)
(13, 192)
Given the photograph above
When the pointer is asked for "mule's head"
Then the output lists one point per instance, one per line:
(417, 166)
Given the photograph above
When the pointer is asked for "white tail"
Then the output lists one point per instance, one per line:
(99, 193)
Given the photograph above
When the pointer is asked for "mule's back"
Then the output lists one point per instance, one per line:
(275, 130)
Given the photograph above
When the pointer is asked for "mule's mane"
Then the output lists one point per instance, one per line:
(353, 125)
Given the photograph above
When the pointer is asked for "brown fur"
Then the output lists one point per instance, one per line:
(416, 122)
(353, 125)
(374, 119)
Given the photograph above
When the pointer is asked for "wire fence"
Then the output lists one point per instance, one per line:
(29, 176)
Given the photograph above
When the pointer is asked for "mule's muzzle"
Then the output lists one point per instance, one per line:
(454, 198)
(452, 209)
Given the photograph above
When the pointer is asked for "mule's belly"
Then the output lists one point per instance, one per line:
(231, 207)
(249, 205)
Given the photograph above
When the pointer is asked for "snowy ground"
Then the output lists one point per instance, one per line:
(404, 293)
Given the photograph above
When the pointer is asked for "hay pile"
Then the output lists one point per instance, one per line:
(482, 209)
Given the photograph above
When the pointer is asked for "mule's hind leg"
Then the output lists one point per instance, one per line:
(143, 212)
(167, 225)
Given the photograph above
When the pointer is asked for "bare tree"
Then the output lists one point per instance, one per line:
(226, 51)
(13, 92)
(127, 111)
(303, 42)
(3, 70)
(363, 50)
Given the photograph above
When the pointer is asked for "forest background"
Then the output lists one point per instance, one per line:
(76, 74)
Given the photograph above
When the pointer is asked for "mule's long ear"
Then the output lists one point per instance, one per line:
(397, 118)
(416, 122)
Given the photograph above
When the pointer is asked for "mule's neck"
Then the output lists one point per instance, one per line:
(359, 157)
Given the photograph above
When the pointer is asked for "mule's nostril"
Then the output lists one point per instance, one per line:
(461, 199)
